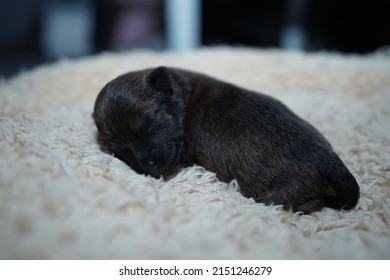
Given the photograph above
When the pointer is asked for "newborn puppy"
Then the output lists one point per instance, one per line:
(159, 120)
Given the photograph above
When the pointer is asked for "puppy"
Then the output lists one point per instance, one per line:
(160, 120)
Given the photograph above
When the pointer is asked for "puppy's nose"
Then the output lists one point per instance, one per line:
(152, 164)
(151, 168)
(147, 162)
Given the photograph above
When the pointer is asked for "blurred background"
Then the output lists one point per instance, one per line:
(38, 31)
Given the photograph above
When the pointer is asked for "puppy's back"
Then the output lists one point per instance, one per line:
(276, 157)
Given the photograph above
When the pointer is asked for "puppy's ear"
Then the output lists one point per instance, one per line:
(159, 80)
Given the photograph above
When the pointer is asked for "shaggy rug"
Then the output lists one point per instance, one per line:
(61, 197)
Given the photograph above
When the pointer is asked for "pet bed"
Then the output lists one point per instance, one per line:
(61, 197)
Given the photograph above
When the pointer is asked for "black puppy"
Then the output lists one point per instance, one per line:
(159, 120)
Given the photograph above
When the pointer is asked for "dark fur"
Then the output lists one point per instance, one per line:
(159, 120)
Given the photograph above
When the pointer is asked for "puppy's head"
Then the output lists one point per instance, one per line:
(141, 122)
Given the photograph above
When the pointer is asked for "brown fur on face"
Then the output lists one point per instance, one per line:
(158, 120)
(141, 125)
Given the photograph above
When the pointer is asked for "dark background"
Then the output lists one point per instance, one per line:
(339, 25)
(29, 37)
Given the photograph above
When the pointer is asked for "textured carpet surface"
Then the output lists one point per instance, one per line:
(61, 197)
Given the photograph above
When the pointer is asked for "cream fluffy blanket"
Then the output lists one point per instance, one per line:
(61, 197)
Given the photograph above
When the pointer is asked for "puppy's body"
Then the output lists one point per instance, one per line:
(159, 120)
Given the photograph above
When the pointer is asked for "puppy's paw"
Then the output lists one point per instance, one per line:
(310, 206)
